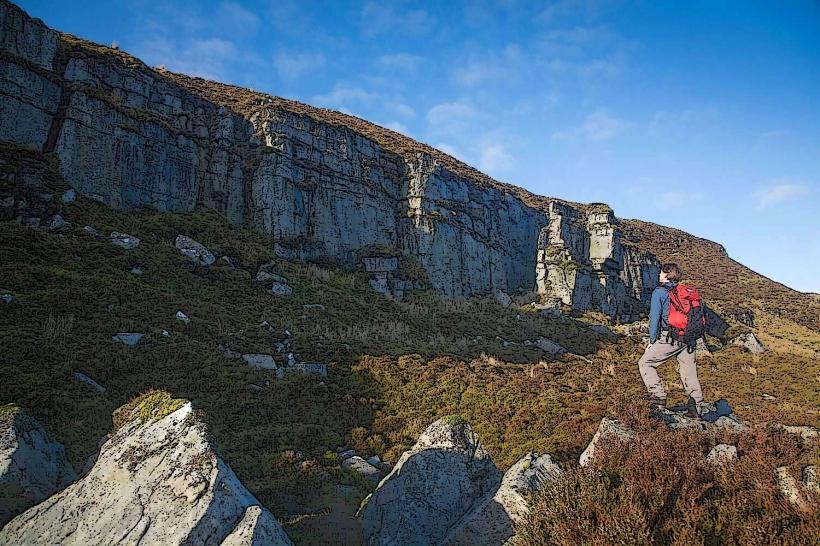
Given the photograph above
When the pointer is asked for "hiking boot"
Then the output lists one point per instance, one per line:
(696, 410)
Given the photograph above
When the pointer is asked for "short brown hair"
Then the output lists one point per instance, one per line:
(673, 272)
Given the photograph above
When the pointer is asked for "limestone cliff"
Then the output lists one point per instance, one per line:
(321, 183)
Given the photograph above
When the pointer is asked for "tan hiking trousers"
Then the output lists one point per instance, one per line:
(658, 353)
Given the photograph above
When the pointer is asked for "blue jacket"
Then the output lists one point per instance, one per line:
(659, 310)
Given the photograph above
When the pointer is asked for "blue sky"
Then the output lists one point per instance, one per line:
(699, 115)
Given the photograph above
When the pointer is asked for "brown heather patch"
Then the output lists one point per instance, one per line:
(660, 489)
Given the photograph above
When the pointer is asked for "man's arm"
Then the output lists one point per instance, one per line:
(655, 315)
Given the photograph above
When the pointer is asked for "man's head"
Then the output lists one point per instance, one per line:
(670, 272)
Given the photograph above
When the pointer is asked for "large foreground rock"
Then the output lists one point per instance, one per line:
(32, 464)
(156, 480)
(492, 521)
(441, 479)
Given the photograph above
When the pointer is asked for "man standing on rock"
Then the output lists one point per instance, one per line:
(662, 346)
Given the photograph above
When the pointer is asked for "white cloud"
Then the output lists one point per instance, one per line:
(397, 126)
(672, 122)
(781, 190)
(292, 66)
(448, 149)
(400, 61)
(494, 157)
(342, 95)
(588, 53)
(233, 16)
(597, 126)
(446, 112)
(670, 200)
(378, 18)
(205, 58)
(489, 66)
(403, 109)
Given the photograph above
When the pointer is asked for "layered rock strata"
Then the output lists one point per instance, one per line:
(131, 136)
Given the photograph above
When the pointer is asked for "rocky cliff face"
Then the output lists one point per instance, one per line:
(321, 184)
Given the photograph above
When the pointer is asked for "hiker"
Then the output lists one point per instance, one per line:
(680, 306)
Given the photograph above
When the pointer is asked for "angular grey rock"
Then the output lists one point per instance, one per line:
(313, 368)
(749, 343)
(128, 338)
(347, 453)
(93, 232)
(280, 289)
(804, 431)
(722, 454)
(123, 240)
(136, 271)
(313, 307)
(502, 298)
(789, 487)
(432, 487)
(56, 223)
(253, 387)
(32, 464)
(166, 333)
(87, 381)
(811, 479)
(182, 317)
(156, 481)
(601, 329)
(493, 521)
(193, 250)
(363, 468)
(606, 428)
(374, 460)
(261, 361)
(266, 276)
(69, 196)
(549, 346)
(6, 298)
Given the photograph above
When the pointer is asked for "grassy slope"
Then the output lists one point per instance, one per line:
(722, 280)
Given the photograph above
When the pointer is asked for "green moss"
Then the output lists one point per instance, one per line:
(151, 406)
(454, 420)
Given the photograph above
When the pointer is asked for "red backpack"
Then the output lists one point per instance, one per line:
(687, 316)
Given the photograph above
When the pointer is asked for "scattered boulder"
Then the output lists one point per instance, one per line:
(606, 428)
(156, 480)
(94, 233)
(749, 343)
(280, 289)
(549, 346)
(261, 361)
(374, 460)
(166, 333)
(122, 240)
(69, 196)
(253, 387)
(502, 298)
(636, 329)
(805, 432)
(127, 338)
(432, 487)
(789, 487)
(136, 270)
(88, 382)
(363, 468)
(492, 521)
(265, 276)
(314, 368)
(810, 479)
(722, 454)
(6, 298)
(313, 307)
(56, 223)
(32, 464)
(182, 317)
(193, 250)
(717, 413)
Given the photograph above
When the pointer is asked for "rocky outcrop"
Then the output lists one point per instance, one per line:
(156, 480)
(492, 522)
(749, 343)
(32, 464)
(446, 490)
(131, 136)
(431, 488)
(582, 262)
